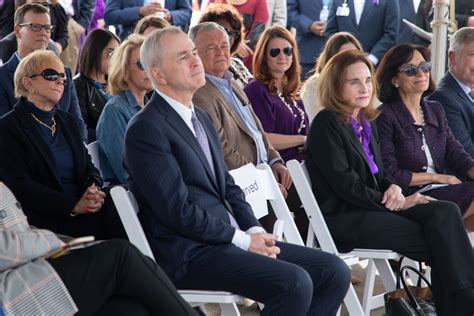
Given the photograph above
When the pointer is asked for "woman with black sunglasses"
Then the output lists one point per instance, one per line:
(418, 148)
(273, 93)
(128, 85)
(44, 160)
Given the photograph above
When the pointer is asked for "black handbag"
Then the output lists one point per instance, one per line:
(410, 300)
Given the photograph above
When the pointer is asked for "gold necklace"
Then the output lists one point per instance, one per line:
(52, 128)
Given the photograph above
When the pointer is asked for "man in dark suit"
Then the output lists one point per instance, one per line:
(455, 90)
(407, 12)
(28, 17)
(125, 13)
(9, 45)
(305, 17)
(374, 23)
(201, 230)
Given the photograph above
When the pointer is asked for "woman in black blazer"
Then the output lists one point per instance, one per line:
(44, 161)
(362, 206)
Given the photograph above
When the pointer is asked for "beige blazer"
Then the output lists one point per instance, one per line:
(237, 142)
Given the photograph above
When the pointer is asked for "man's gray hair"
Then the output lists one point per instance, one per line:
(204, 27)
(151, 52)
(462, 37)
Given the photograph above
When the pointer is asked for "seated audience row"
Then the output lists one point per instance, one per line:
(189, 201)
(360, 200)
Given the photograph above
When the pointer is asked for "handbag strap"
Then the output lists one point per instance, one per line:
(411, 297)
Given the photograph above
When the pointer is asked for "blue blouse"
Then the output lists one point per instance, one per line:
(110, 131)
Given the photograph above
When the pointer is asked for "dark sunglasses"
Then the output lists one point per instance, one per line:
(52, 75)
(35, 27)
(274, 52)
(233, 33)
(139, 64)
(412, 70)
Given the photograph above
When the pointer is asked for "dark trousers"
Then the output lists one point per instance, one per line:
(302, 281)
(114, 278)
(433, 233)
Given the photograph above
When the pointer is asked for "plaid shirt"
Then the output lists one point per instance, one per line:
(30, 286)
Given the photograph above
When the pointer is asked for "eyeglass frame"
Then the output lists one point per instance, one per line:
(139, 64)
(32, 27)
(424, 67)
(60, 75)
(235, 34)
(275, 52)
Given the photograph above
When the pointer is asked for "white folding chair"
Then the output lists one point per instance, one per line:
(127, 208)
(378, 259)
(93, 149)
(259, 185)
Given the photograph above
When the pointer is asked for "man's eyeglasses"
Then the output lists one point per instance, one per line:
(35, 27)
(233, 34)
(139, 64)
(52, 75)
(412, 70)
(274, 52)
(45, 4)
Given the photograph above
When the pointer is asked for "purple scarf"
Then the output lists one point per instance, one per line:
(363, 132)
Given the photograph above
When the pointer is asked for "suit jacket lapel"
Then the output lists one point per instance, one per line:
(182, 129)
(29, 126)
(350, 4)
(355, 142)
(456, 87)
(365, 12)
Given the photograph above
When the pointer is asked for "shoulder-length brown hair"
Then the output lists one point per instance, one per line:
(291, 80)
(332, 80)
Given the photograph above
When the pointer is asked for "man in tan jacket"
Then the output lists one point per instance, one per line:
(241, 135)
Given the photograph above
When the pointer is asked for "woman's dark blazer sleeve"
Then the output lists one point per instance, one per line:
(26, 172)
(388, 133)
(330, 151)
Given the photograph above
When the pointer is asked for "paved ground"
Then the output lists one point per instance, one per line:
(358, 271)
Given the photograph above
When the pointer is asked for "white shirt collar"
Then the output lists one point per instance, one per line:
(464, 88)
(183, 111)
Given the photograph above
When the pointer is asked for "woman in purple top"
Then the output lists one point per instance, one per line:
(418, 147)
(273, 93)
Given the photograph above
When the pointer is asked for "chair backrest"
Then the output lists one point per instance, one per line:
(93, 149)
(302, 182)
(260, 186)
(127, 208)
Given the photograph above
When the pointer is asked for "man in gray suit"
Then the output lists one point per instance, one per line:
(455, 90)
(201, 230)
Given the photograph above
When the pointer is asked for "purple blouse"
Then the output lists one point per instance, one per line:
(276, 117)
(363, 132)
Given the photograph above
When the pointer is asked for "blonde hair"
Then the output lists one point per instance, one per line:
(118, 66)
(33, 64)
(332, 79)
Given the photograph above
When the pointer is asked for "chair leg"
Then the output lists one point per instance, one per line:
(369, 287)
(352, 302)
(386, 273)
(229, 309)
